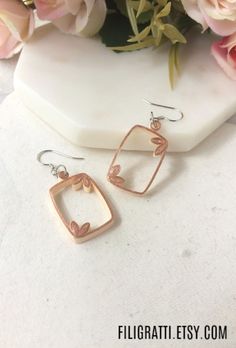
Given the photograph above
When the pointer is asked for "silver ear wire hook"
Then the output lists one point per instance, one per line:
(55, 169)
(159, 118)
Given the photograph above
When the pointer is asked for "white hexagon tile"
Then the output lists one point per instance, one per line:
(92, 96)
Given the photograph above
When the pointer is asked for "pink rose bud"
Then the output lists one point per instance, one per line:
(224, 52)
(16, 26)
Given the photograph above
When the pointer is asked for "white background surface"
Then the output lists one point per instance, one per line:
(170, 258)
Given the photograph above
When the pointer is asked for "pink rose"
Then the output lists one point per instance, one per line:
(224, 52)
(79, 17)
(50, 9)
(16, 26)
(219, 15)
(84, 18)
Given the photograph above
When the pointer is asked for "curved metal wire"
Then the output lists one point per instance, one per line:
(158, 118)
(55, 169)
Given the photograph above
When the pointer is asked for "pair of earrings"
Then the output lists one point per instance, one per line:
(84, 232)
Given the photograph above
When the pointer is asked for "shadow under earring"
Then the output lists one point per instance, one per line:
(80, 181)
(116, 172)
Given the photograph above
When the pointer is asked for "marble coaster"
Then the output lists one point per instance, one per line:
(92, 96)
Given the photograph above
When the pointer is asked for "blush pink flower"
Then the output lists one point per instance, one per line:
(78, 17)
(16, 26)
(50, 9)
(84, 17)
(219, 15)
(224, 52)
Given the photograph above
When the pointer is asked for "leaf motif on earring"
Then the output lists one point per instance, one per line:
(78, 231)
(113, 175)
(83, 180)
(161, 145)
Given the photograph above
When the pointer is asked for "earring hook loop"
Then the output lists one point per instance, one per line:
(159, 118)
(55, 169)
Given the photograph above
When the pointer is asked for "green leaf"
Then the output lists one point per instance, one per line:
(132, 17)
(162, 2)
(173, 64)
(164, 12)
(135, 5)
(158, 38)
(110, 34)
(173, 34)
(145, 17)
(141, 7)
(149, 41)
(142, 35)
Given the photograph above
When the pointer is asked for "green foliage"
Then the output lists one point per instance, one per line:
(116, 30)
(135, 24)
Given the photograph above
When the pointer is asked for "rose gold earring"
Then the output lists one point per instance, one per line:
(159, 143)
(83, 232)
